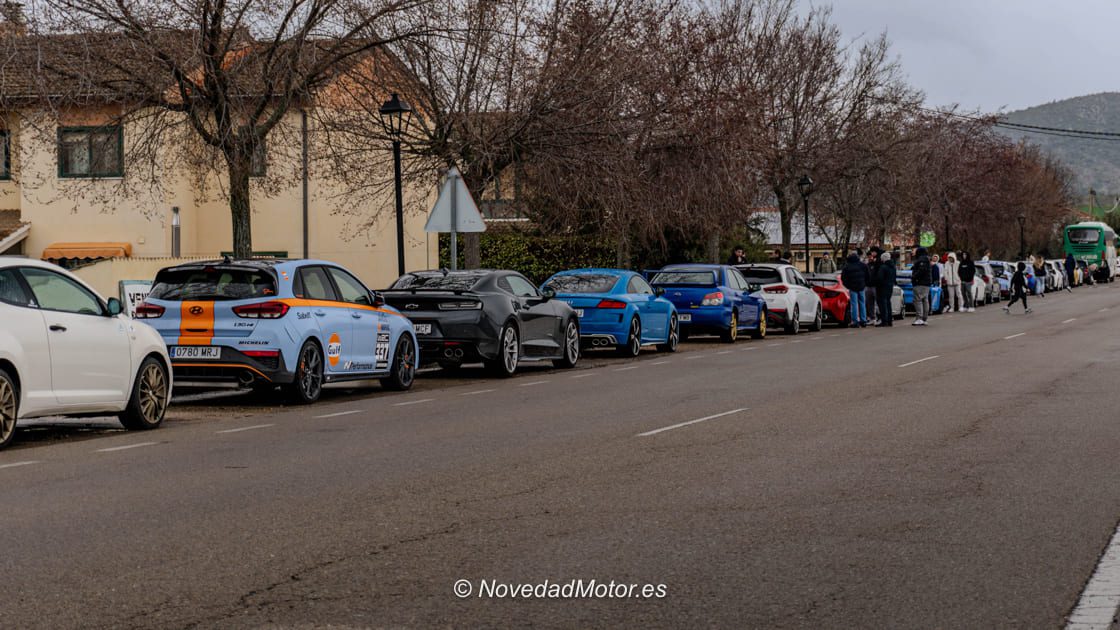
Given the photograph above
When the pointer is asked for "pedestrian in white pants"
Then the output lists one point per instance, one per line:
(953, 297)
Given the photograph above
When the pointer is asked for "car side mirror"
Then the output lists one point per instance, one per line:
(376, 298)
(659, 291)
(114, 306)
(548, 293)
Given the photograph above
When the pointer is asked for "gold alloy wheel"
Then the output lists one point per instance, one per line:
(8, 404)
(153, 393)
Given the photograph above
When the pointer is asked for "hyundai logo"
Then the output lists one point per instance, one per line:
(412, 307)
(195, 310)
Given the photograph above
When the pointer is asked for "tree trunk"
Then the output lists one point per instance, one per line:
(472, 254)
(786, 216)
(240, 208)
(713, 249)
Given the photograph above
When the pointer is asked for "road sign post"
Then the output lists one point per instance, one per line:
(454, 212)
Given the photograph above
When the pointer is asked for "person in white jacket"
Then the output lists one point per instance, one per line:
(952, 270)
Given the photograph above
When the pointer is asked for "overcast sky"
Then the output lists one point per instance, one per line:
(993, 54)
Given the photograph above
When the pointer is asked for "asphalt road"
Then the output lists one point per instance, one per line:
(816, 484)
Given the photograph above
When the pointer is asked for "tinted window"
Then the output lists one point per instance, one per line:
(58, 293)
(1085, 236)
(583, 283)
(349, 288)
(212, 283)
(639, 285)
(314, 285)
(736, 279)
(686, 276)
(522, 287)
(453, 281)
(761, 275)
(11, 291)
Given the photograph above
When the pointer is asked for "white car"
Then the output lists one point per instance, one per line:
(1057, 274)
(790, 301)
(65, 351)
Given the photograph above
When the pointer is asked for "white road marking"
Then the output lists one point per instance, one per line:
(629, 367)
(583, 375)
(1015, 335)
(724, 352)
(920, 360)
(660, 362)
(1102, 310)
(774, 345)
(413, 402)
(532, 384)
(1101, 597)
(797, 341)
(340, 413)
(1072, 319)
(694, 357)
(16, 464)
(834, 335)
(748, 349)
(685, 424)
(240, 429)
(125, 448)
(481, 391)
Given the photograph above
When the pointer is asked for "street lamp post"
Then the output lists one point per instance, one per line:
(805, 187)
(395, 116)
(1022, 239)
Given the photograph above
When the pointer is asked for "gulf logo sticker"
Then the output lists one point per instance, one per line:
(334, 349)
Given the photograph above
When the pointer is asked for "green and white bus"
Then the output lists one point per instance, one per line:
(1094, 242)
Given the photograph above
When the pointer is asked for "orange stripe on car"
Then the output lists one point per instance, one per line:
(330, 304)
(196, 323)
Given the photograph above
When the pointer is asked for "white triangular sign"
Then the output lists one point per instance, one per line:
(455, 210)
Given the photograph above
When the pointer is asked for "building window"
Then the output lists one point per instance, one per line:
(91, 151)
(5, 155)
(258, 164)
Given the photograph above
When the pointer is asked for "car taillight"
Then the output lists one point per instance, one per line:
(269, 354)
(777, 288)
(262, 310)
(985, 279)
(713, 299)
(144, 310)
(610, 304)
(466, 305)
(830, 294)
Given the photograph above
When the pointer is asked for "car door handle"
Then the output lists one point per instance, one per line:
(320, 313)
(355, 315)
(58, 328)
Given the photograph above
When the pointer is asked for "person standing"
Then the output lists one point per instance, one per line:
(1018, 288)
(826, 264)
(854, 278)
(921, 279)
(738, 256)
(967, 272)
(885, 280)
(1040, 275)
(1071, 269)
(952, 276)
(873, 263)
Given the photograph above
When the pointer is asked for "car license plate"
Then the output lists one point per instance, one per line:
(196, 352)
(579, 312)
(422, 329)
(685, 317)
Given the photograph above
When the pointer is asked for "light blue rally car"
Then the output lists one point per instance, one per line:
(267, 323)
(617, 308)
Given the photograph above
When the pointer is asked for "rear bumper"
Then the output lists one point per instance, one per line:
(233, 367)
(603, 333)
(704, 319)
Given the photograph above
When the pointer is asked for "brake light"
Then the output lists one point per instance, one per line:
(270, 354)
(778, 288)
(144, 310)
(830, 294)
(262, 310)
(610, 304)
(470, 305)
(713, 299)
(985, 279)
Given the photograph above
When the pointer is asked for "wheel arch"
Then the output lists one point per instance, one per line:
(10, 368)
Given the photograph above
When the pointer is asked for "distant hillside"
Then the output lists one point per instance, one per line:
(1095, 163)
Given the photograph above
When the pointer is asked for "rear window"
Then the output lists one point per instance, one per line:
(583, 283)
(685, 276)
(455, 281)
(213, 283)
(761, 275)
(1085, 236)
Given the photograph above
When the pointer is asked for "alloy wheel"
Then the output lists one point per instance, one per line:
(571, 342)
(406, 365)
(634, 341)
(310, 372)
(7, 410)
(153, 393)
(674, 333)
(509, 349)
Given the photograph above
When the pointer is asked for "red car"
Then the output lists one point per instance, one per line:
(834, 297)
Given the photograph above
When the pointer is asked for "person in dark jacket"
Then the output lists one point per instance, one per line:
(738, 257)
(967, 273)
(854, 278)
(885, 281)
(869, 295)
(1071, 266)
(921, 280)
(1018, 288)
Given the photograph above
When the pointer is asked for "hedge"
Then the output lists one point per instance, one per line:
(536, 256)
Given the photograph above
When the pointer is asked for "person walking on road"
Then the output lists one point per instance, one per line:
(854, 278)
(870, 294)
(1018, 288)
(967, 272)
(921, 278)
(738, 256)
(953, 283)
(885, 280)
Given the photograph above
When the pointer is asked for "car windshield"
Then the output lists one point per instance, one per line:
(213, 283)
(1084, 236)
(685, 276)
(583, 283)
(453, 281)
(761, 275)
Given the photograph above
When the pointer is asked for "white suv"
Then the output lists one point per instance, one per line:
(66, 351)
(790, 301)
